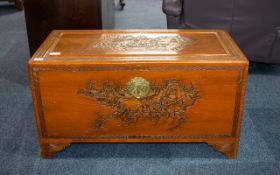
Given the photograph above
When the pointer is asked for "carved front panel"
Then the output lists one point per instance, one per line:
(134, 103)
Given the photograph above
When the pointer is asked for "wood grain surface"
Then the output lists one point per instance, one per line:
(197, 82)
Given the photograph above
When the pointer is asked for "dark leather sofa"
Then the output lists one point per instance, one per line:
(254, 24)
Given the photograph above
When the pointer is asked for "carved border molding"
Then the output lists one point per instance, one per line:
(133, 68)
(174, 136)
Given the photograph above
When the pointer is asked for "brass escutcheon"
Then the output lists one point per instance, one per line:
(138, 87)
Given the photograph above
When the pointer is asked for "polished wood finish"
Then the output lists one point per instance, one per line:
(229, 149)
(43, 16)
(196, 80)
(49, 149)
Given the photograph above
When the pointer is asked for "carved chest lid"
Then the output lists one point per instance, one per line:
(138, 45)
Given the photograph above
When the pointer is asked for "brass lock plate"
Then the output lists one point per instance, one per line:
(138, 87)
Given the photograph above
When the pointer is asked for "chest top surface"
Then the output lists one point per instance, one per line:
(138, 45)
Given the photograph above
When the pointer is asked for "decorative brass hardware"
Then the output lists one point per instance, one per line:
(167, 101)
(138, 87)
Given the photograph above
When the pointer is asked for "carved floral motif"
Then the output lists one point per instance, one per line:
(168, 101)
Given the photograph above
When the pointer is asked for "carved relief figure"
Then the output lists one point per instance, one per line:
(143, 101)
(130, 42)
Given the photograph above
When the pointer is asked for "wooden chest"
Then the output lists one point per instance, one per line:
(138, 86)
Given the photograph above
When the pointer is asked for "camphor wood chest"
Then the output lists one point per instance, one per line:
(138, 86)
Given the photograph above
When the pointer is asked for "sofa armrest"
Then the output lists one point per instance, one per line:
(275, 52)
(172, 7)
